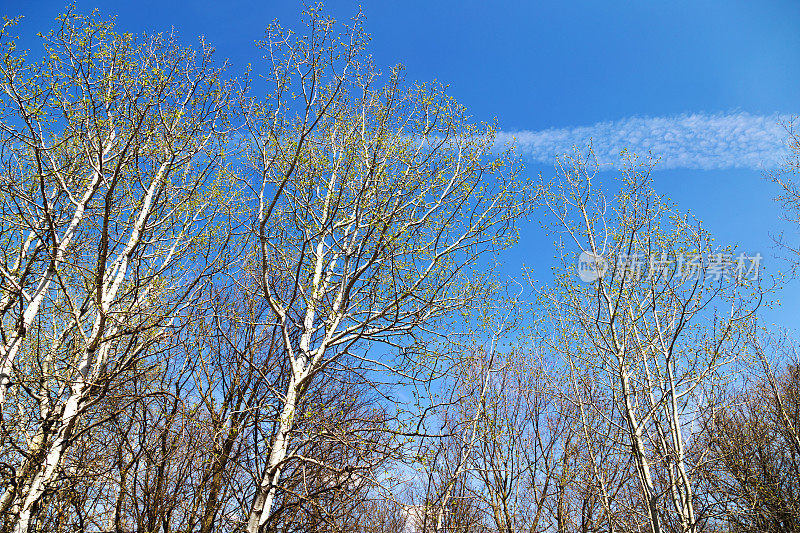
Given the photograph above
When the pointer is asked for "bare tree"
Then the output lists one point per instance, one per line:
(525, 458)
(753, 467)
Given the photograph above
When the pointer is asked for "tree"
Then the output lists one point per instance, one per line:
(653, 336)
(370, 210)
(785, 177)
(525, 454)
(753, 468)
(110, 147)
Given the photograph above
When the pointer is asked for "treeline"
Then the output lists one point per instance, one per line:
(268, 303)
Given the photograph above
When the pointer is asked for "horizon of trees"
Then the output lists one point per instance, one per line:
(270, 304)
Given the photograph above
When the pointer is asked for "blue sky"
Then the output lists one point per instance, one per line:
(700, 83)
(534, 65)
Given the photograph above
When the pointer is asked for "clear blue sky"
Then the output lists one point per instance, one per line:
(711, 77)
(534, 65)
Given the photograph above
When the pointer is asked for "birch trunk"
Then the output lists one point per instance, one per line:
(265, 499)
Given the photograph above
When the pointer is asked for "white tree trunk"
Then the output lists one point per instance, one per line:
(48, 470)
(267, 489)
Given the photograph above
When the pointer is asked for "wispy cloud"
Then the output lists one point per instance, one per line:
(695, 141)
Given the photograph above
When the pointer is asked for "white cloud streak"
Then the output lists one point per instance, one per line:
(692, 141)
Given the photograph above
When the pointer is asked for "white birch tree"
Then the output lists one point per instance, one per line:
(109, 147)
(655, 334)
(375, 201)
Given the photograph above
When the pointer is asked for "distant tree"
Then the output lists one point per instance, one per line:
(754, 461)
